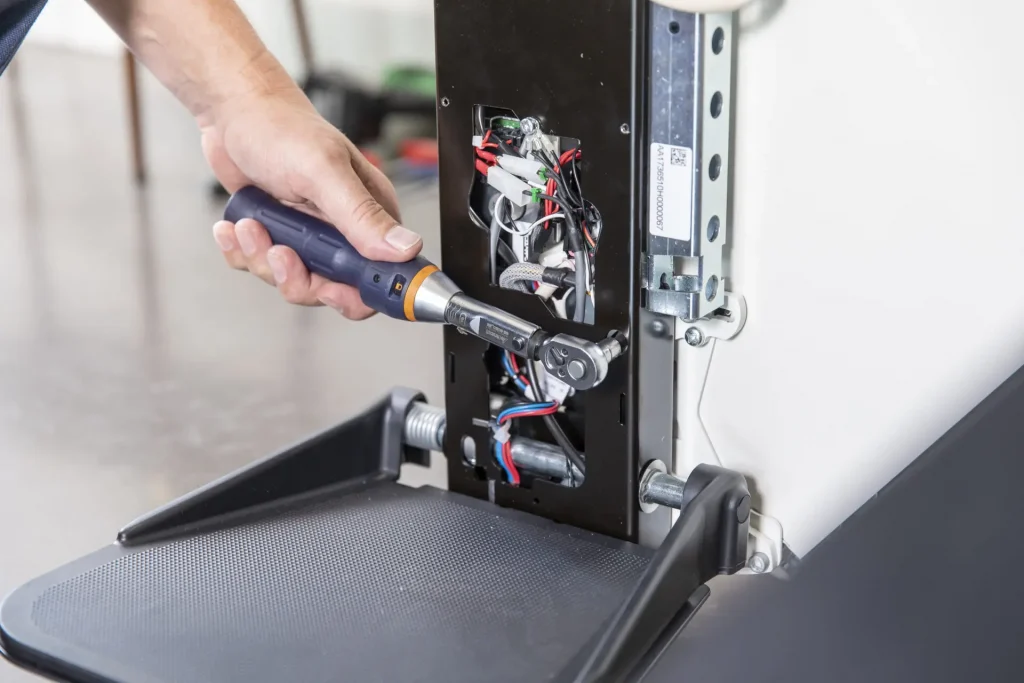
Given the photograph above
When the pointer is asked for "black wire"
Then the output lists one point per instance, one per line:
(556, 430)
(504, 250)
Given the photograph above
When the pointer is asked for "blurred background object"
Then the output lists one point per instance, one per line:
(134, 366)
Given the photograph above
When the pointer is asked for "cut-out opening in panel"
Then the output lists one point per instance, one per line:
(527, 195)
(524, 444)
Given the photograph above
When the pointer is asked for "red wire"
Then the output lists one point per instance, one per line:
(506, 454)
(482, 167)
(515, 368)
(486, 156)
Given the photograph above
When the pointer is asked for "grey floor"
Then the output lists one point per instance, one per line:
(134, 366)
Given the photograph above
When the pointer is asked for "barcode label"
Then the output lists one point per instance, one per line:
(671, 192)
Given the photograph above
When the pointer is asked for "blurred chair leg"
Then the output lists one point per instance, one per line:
(135, 117)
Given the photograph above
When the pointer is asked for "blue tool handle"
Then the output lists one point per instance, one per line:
(388, 288)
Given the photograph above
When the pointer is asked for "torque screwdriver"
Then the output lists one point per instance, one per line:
(418, 291)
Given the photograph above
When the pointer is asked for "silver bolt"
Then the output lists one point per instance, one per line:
(624, 129)
(659, 328)
(529, 126)
(758, 563)
(445, 101)
(694, 337)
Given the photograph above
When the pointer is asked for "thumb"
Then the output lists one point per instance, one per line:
(357, 214)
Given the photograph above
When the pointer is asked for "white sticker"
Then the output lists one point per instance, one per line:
(671, 191)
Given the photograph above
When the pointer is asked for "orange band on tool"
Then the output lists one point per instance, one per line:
(410, 292)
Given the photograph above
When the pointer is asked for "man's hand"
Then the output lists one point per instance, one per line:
(260, 129)
(278, 142)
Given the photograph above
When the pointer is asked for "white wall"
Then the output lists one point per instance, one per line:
(362, 36)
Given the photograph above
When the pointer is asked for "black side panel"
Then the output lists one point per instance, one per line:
(923, 583)
(571, 65)
(385, 584)
(365, 449)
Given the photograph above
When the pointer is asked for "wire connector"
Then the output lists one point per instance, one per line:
(502, 433)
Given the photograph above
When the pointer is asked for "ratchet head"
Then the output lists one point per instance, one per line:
(579, 363)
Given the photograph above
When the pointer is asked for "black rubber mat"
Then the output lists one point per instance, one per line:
(389, 584)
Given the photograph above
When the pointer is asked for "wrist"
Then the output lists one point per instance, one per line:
(235, 89)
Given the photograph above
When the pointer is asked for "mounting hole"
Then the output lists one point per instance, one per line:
(715, 167)
(536, 501)
(624, 129)
(718, 41)
(712, 289)
(714, 225)
(716, 105)
(445, 101)
(673, 27)
(468, 444)
(376, 278)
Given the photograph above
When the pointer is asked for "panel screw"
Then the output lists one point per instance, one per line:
(758, 563)
(659, 328)
(624, 129)
(694, 337)
(445, 101)
(529, 126)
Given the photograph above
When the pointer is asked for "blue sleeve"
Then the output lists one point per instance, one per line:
(16, 17)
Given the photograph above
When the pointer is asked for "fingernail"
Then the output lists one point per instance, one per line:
(223, 238)
(246, 239)
(401, 238)
(277, 266)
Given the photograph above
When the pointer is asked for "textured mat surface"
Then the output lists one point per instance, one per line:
(390, 584)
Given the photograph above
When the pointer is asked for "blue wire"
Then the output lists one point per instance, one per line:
(528, 408)
(501, 460)
(511, 373)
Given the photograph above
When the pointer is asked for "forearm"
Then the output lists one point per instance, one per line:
(204, 51)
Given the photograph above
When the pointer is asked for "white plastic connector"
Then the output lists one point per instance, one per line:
(502, 434)
(507, 184)
(478, 140)
(527, 169)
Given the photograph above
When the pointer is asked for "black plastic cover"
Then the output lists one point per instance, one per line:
(384, 584)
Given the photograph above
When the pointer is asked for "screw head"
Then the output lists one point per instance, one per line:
(712, 287)
(758, 563)
(529, 126)
(694, 336)
(659, 328)
(624, 129)
(445, 101)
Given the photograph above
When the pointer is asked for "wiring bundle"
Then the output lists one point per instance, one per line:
(543, 241)
(535, 213)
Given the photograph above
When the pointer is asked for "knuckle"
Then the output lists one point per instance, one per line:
(367, 210)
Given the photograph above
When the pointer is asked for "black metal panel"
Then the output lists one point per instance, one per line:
(579, 69)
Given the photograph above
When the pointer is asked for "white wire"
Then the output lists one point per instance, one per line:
(521, 232)
(544, 220)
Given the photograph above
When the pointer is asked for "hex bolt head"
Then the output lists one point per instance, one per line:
(758, 563)
(529, 126)
(694, 337)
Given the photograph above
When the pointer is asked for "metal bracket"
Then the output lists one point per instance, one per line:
(724, 324)
(691, 57)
